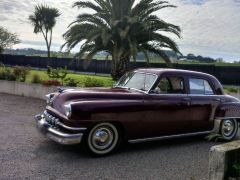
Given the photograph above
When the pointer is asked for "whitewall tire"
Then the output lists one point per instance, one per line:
(229, 129)
(103, 139)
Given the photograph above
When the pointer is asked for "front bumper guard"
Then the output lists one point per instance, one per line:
(56, 135)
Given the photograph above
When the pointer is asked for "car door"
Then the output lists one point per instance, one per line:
(203, 104)
(167, 107)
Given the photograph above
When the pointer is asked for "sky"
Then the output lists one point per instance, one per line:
(209, 27)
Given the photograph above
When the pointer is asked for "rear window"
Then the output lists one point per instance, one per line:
(200, 86)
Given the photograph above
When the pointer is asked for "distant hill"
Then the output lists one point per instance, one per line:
(26, 52)
(103, 55)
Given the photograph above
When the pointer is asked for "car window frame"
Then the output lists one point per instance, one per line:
(164, 75)
(146, 73)
(201, 78)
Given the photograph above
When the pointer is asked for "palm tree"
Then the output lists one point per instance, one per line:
(43, 20)
(121, 28)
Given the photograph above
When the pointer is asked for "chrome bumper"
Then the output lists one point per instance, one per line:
(56, 135)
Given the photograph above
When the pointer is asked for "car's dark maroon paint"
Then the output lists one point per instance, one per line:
(145, 115)
(140, 115)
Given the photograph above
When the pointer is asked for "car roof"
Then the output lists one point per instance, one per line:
(160, 71)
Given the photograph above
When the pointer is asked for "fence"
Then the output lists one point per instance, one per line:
(229, 75)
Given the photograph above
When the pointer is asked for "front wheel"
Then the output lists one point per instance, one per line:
(103, 139)
(229, 129)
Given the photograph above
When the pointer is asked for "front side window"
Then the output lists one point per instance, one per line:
(135, 80)
(170, 85)
(200, 86)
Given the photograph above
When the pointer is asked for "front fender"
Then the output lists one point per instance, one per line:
(109, 108)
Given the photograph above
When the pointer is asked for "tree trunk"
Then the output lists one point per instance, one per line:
(1, 49)
(48, 52)
(119, 69)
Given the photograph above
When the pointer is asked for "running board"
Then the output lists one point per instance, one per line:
(169, 137)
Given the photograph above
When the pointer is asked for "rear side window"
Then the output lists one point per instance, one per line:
(200, 86)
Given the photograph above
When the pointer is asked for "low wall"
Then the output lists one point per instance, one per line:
(221, 159)
(23, 89)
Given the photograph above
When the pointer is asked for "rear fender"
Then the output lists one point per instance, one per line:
(226, 111)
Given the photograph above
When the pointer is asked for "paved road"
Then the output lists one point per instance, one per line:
(25, 154)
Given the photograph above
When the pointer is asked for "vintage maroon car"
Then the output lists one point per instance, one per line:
(145, 105)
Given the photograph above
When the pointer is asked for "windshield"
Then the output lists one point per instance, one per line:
(135, 80)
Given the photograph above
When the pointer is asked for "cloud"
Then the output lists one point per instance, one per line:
(209, 27)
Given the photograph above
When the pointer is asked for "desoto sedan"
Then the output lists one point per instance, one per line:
(145, 105)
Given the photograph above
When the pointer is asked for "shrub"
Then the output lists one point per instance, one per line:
(92, 82)
(36, 79)
(51, 83)
(21, 72)
(7, 74)
(71, 82)
(58, 73)
(231, 89)
(2, 75)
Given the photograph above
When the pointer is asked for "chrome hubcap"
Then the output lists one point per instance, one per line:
(102, 138)
(228, 127)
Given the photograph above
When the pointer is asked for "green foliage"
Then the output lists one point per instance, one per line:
(21, 72)
(36, 79)
(214, 137)
(121, 28)
(92, 82)
(7, 39)
(7, 74)
(59, 73)
(44, 19)
(70, 82)
(234, 170)
(232, 89)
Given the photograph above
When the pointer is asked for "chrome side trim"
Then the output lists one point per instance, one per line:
(71, 128)
(168, 137)
(221, 118)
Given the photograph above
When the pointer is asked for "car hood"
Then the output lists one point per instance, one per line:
(93, 94)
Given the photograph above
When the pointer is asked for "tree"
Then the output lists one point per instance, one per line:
(44, 20)
(121, 28)
(7, 39)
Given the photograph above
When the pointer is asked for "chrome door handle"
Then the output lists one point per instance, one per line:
(186, 99)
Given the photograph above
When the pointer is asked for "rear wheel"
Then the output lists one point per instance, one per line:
(229, 129)
(103, 139)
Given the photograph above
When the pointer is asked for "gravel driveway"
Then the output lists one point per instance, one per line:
(25, 154)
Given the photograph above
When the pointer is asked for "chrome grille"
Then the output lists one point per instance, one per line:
(51, 119)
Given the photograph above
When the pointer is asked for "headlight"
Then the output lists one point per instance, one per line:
(49, 98)
(68, 110)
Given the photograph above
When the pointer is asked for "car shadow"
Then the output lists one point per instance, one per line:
(165, 144)
(79, 151)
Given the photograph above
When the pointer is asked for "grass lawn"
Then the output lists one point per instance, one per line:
(232, 89)
(107, 81)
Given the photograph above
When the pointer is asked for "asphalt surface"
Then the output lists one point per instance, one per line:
(26, 154)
